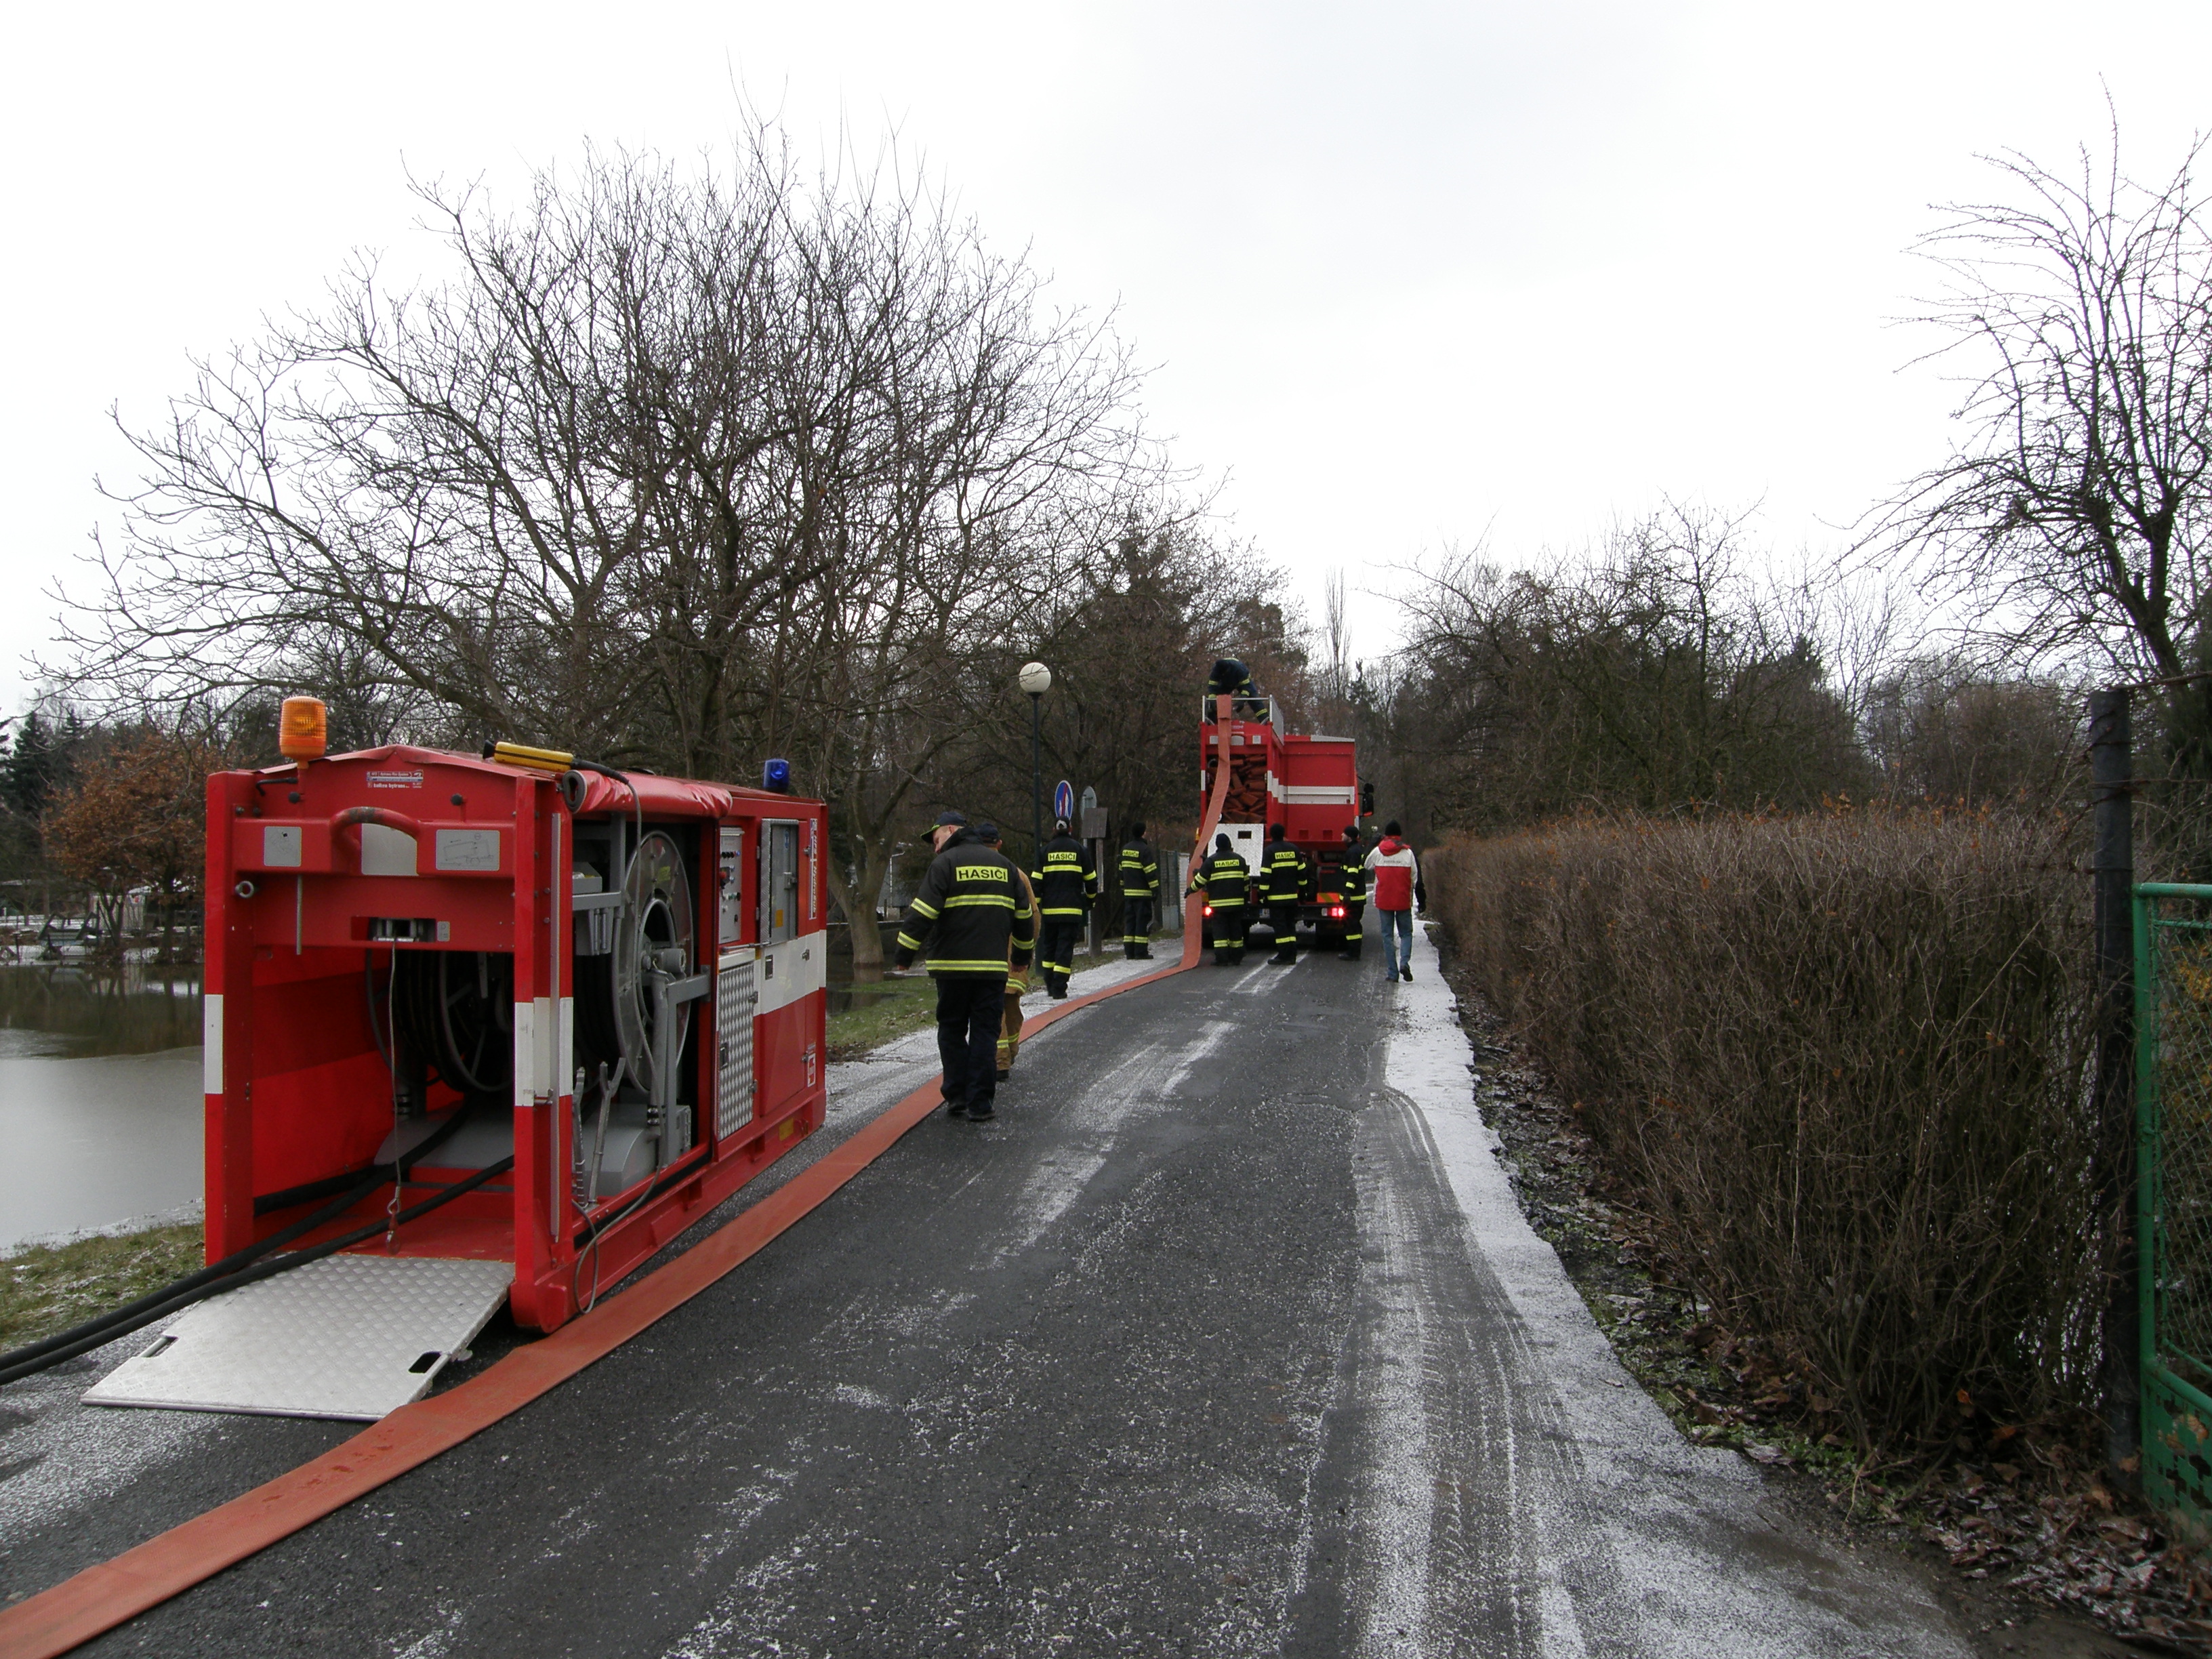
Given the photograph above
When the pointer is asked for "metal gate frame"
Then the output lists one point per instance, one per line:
(2173, 1194)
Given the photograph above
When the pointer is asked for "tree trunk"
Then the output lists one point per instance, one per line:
(859, 900)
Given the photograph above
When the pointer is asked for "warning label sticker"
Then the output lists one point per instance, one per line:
(395, 779)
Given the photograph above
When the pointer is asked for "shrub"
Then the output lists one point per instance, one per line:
(1845, 1060)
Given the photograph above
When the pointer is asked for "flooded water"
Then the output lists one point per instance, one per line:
(99, 1095)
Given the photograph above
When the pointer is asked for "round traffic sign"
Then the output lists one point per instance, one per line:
(1063, 800)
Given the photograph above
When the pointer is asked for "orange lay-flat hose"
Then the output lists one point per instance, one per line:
(120, 1589)
(1194, 908)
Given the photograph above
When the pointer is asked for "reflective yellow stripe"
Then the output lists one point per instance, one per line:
(939, 964)
(908, 942)
(1004, 901)
(925, 909)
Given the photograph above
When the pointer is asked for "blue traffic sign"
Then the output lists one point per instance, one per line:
(1063, 799)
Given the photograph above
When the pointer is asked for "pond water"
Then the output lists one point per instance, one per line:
(99, 1095)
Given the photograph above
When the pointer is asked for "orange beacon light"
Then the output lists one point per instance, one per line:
(303, 730)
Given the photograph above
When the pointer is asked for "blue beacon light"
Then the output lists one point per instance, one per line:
(775, 777)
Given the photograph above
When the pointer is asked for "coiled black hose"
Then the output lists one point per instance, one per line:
(238, 1267)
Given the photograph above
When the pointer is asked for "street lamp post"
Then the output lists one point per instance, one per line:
(1036, 679)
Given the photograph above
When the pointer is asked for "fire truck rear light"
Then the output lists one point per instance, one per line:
(1207, 910)
(408, 930)
(303, 729)
(1336, 913)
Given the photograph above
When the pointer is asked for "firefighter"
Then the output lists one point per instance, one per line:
(972, 915)
(1222, 876)
(1230, 678)
(1141, 890)
(1066, 884)
(1352, 884)
(1283, 877)
(1017, 979)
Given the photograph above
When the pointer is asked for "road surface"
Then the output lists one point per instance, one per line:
(1226, 1338)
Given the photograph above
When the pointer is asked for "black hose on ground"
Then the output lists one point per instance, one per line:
(269, 1203)
(219, 1275)
(12, 1372)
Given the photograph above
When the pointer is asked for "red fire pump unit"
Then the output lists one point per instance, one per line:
(617, 982)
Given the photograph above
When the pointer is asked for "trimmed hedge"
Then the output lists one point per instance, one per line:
(1845, 1061)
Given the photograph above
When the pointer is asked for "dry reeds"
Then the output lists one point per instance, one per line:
(1844, 1059)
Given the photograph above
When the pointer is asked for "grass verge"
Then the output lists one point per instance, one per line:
(903, 1006)
(50, 1287)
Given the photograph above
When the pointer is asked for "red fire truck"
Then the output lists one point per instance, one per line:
(424, 963)
(1310, 785)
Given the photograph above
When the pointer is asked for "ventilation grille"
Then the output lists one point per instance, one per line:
(735, 999)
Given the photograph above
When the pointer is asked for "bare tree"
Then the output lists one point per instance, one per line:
(679, 468)
(1658, 676)
(2074, 508)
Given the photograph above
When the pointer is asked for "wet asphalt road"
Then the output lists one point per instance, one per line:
(1217, 1342)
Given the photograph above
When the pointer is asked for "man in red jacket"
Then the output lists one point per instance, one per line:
(1398, 889)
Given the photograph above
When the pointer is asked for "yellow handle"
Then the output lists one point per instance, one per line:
(537, 760)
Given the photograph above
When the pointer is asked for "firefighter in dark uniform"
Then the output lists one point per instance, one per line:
(972, 916)
(1283, 883)
(1141, 890)
(1222, 876)
(1232, 678)
(1066, 884)
(1352, 886)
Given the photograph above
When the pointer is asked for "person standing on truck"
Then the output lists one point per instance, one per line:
(1225, 882)
(1283, 876)
(1231, 678)
(1140, 889)
(1066, 884)
(1352, 886)
(972, 916)
(1398, 889)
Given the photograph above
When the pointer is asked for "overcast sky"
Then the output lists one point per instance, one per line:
(1409, 275)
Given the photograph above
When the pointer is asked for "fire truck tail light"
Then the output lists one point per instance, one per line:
(1206, 910)
(303, 730)
(1336, 913)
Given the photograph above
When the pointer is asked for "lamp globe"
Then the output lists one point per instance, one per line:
(1036, 678)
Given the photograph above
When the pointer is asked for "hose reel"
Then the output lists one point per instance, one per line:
(653, 940)
(455, 1010)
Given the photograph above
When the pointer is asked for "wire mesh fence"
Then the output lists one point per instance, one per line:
(2173, 1069)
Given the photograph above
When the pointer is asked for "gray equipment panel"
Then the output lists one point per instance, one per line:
(736, 996)
(337, 1338)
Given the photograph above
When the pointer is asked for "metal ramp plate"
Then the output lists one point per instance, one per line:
(350, 1336)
